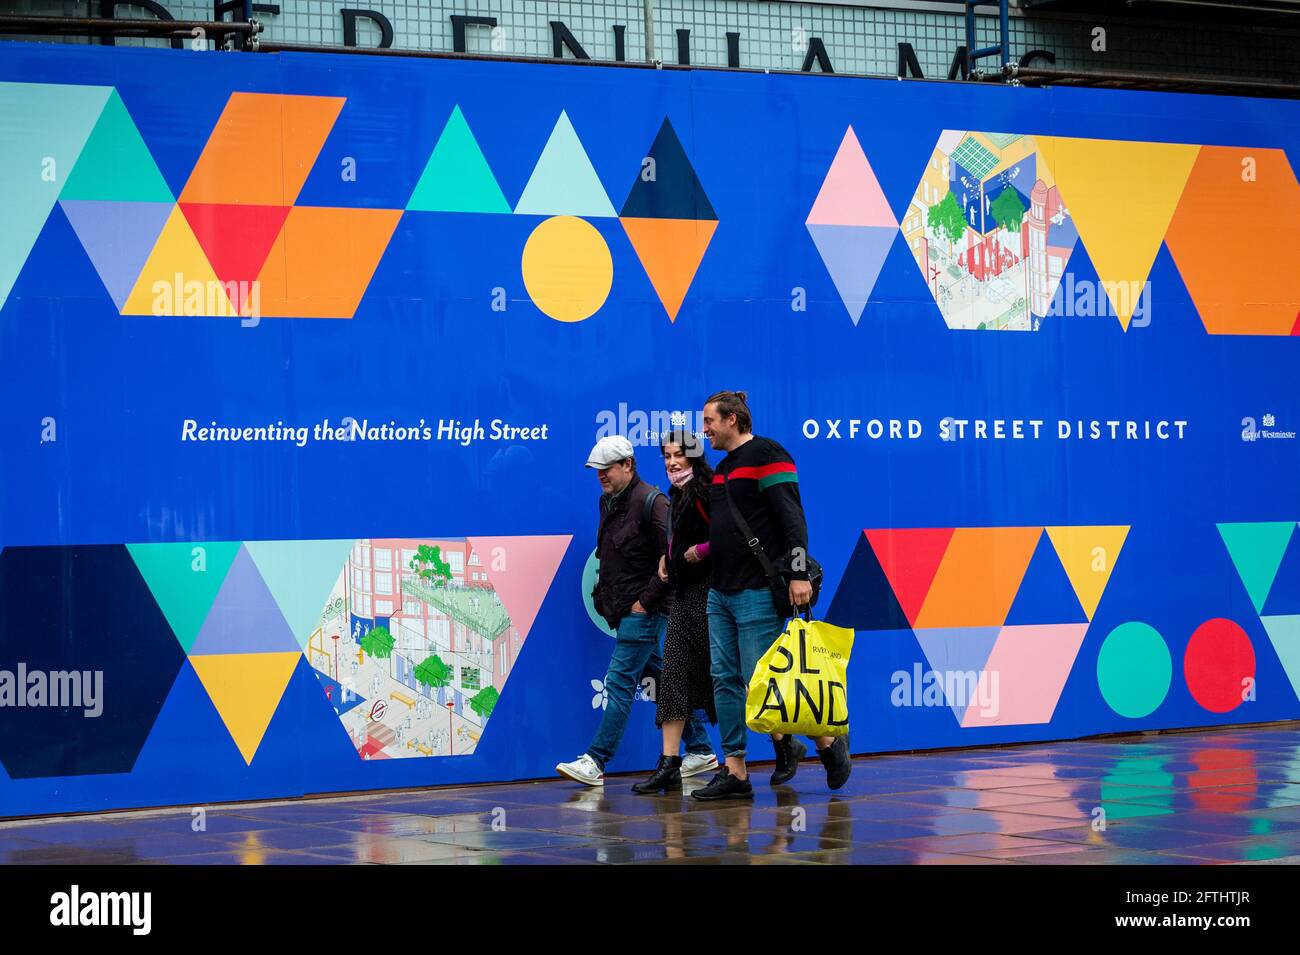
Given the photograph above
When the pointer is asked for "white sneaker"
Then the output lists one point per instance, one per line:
(584, 770)
(695, 763)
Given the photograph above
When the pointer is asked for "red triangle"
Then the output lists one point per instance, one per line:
(1295, 329)
(235, 238)
(910, 559)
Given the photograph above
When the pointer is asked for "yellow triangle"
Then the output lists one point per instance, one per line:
(165, 285)
(1121, 196)
(1088, 555)
(245, 688)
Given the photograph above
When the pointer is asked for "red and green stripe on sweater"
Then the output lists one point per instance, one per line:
(778, 472)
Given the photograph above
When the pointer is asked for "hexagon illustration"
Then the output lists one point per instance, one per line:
(86, 660)
(989, 231)
(418, 637)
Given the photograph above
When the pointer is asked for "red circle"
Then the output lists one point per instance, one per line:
(1219, 659)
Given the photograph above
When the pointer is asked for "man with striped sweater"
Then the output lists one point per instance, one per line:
(743, 618)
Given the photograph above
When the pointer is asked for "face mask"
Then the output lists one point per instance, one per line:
(682, 478)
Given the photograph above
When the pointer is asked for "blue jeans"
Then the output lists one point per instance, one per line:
(741, 628)
(636, 656)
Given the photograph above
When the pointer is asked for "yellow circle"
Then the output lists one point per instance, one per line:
(567, 268)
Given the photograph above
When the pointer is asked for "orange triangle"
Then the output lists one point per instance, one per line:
(978, 577)
(262, 148)
(670, 251)
(910, 558)
(322, 261)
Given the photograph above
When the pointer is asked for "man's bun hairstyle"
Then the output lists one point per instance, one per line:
(737, 403)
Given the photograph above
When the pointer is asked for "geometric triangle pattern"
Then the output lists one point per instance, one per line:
(563, 183)
(978, 577)
(1046, 594)
(45, 129)
(1088, 554)
(457, 177)
(244, 617)
(1122, 196)
(957, 652)
(177, 253)
(995, 212)
(999, 613)
(1256, 550)
(1030, 665)
(115, 165)
(668, 219)
(1224, 222)
(1284, 593)
(299, 574)
(1284, 633)
(184, 579)
(909, 558)
(118, 237)
(520, 570)
(246, 689)
(852, 225)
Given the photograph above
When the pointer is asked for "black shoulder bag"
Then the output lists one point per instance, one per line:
(778, 575)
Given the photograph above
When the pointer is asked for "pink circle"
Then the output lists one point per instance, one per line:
(1218, 662)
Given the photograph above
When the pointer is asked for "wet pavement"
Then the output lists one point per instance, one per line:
(1171, 799)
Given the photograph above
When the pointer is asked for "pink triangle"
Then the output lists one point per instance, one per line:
(520, 570)
(850, 193)
(1032, 664)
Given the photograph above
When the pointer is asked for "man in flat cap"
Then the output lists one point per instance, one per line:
(632, 536)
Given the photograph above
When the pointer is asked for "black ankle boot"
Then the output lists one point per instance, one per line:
(788, 753)
(667, 775)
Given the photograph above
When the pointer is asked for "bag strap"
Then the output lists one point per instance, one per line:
(755, 547)
(648, 504)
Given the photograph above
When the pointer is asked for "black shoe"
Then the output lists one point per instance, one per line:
(835, 758)
(667, 775)
(725, 786)
(789, 751)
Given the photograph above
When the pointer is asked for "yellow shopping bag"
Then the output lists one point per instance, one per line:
(800, 685)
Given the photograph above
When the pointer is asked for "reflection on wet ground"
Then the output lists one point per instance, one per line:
(1185, 798)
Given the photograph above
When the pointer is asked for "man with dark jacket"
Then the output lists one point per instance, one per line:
(631, 538)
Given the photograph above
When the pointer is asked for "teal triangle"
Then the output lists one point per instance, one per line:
(1284, 596)
(1256, 550)
(184, 579)
(116, 164)
(1284, 634)
(457, 177)
(300, 576)
(1046, 594)
(954, 653)
(43, 128)
(563, 182)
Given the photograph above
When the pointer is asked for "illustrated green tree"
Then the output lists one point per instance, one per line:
(946, 218)
(378, 643)
(429, 565)
(1008, 210)
(433, 672)
(484, 701)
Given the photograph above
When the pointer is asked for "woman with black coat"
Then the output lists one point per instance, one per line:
(685, 685)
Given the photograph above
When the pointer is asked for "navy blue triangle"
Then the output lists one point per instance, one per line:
(1046, 594)
(864, 600)
(675, 192)
(1284, 596)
